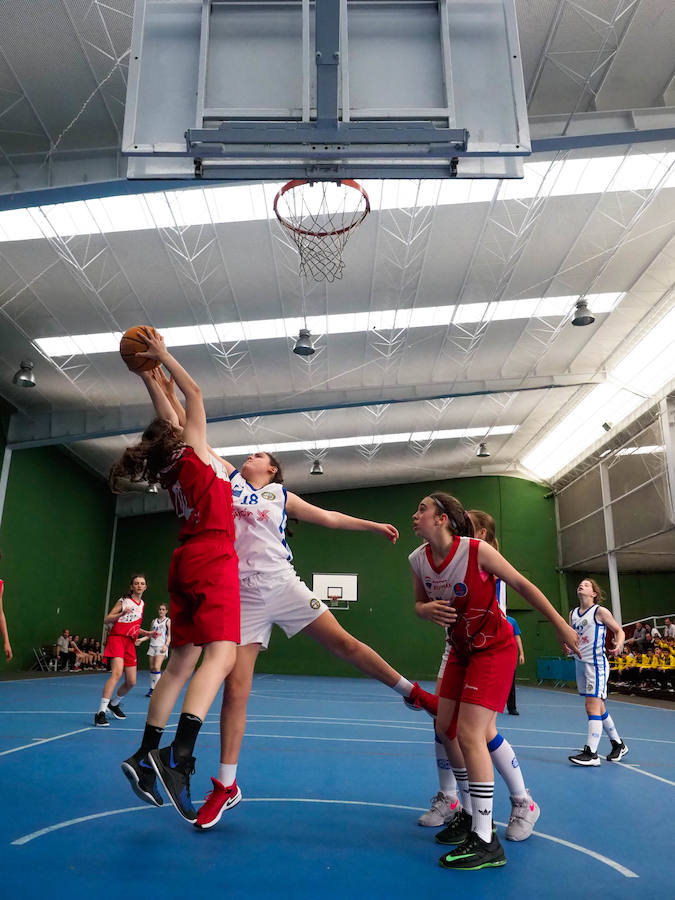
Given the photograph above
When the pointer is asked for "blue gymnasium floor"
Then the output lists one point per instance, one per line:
(334, 775)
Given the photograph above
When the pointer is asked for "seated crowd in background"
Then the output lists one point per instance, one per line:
(647, 663)
(78, 654)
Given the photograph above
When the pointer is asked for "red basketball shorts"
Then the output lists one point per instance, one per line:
(118, 646)
(484, 678)
(204, 593)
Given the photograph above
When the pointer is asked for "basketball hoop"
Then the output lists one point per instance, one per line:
(320, 217)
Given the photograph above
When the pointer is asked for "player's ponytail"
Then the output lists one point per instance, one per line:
(483, 520)
(145, 460)
(459, 522)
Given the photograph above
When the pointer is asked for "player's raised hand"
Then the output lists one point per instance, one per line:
(156, 346)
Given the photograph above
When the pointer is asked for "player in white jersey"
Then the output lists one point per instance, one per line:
(158, 649)
(445, 807)
(272, 594)
(591, 622)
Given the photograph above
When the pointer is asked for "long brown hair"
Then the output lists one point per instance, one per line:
(458, 518)
(481, 519)
(145, 460)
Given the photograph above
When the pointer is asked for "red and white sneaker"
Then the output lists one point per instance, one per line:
(216, 802)
(421, 699)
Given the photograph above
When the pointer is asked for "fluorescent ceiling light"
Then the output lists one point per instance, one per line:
(639, 375)
(368, 440)
(639, 451)
(342, 323)
(250, 203)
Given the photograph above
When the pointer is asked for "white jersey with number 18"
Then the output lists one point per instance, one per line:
(260, 526)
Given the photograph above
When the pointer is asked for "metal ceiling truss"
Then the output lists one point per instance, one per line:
(403, 237)
(606, 230)
(197, 259)
(587, 67)
(505, 234)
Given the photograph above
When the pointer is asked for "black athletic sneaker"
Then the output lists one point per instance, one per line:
(142, 778)
(457, 830)
(117, 711)
(175, 778)
(474, 853)
(101, 720)
(585, 758)
(618, 751)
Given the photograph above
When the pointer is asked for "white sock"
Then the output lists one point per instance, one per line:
(104, 704)
(482, 793)
(610, 728)
(154, 678)
(506, 763)
(462, 780)
(594, 732)
(116, 700)
(446, 778)
(227, 774)
(403, 687)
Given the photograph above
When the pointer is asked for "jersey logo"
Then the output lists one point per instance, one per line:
(460, 589)
(428, 583)
(237, 492)
(263, 516)
(268, 495)
(314, 603)
(183, 510)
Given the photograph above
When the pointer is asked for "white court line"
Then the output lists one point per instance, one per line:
(633, 768)
(26, 838)
(38, 741)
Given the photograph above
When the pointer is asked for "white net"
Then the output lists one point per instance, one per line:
(319, 217)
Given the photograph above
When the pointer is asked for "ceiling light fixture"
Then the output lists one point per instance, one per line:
(582, 314)
(24, 377)
(482, 452)
(303, 345)
(317, 468)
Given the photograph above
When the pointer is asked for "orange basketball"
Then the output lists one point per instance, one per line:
(133, 342)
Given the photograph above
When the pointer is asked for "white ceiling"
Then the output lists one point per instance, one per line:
(62, 90)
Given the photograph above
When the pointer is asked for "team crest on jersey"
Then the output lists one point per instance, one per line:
(314, 603)
(460, 589)
(237, 492)
(428, 583)
(268, 495)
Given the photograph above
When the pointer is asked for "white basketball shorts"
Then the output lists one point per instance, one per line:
(275, 599)
(592, 677)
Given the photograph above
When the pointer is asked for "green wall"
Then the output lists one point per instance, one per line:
(55, 539)
(643, 594)
(383, 615)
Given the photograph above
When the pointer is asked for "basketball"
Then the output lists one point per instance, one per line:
(133, 342)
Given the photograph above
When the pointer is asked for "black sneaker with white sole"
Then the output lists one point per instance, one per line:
(175, 778)
(117, 711)
(101, 720)
(143, 780)
(618, 751)
(585, 758)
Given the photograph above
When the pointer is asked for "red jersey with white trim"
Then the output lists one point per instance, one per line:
(202, 500)
(472, 592)
(130, 623)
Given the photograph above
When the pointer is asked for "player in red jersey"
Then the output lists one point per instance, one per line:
(120, 648)
(457, 569)
(203, 587)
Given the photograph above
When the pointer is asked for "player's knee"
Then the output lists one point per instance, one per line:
(130, 681)
(346, 646)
